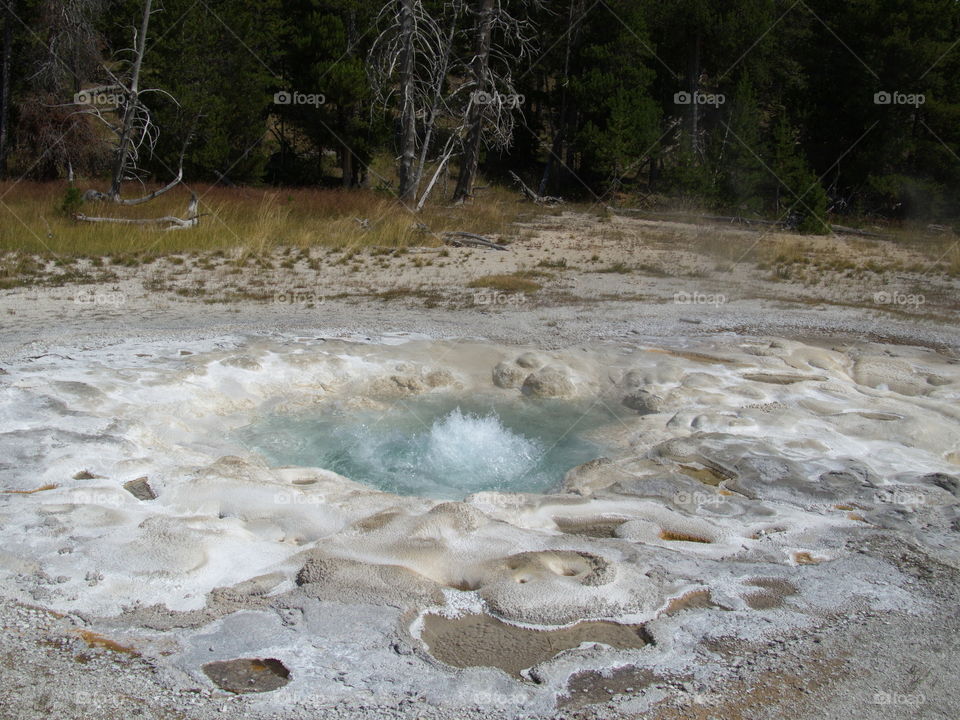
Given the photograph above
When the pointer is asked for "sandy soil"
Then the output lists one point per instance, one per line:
(600, 279)
(790, 602)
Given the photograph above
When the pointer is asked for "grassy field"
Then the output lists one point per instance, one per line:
(258, 225)
(244, 221)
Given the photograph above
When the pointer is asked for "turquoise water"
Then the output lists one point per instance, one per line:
(438, 446)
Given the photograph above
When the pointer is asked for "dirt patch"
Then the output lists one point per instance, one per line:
(248, 675)
(694, 600)
(772, 594)
(592, 687)
(589, 527)
(706, 475)
(140, 489)
(774, 379)
(482, 640)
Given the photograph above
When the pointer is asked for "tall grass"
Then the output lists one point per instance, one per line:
(241, 221)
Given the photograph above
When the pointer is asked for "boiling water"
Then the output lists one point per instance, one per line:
(439, 447)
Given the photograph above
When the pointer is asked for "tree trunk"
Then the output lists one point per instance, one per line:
(556, 150)
(445, 158)
(130, 109)
(435, 107)
(5, 89)
(481, 65)
(348, 163)
(346, 167)
(408, 119)
(694, 85)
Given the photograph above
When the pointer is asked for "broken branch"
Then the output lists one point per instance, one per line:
(458, 239)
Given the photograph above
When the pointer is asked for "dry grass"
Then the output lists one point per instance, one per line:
(911, 249)
(506, 283)
(951, 260)
(245, 221)
(619, 268)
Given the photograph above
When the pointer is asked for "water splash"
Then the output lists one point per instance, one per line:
(444, 448)
(478, 450)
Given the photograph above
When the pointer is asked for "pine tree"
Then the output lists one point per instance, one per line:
(739, 156)
(325, 47)
(801, 200)
(615, 120)
(223, 82)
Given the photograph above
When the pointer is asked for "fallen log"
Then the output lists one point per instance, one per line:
(459, 239)
(532, 196)
(172, 222)
(406, 249)
(854, 231)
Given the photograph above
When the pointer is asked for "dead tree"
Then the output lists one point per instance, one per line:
(413, 69)
(480, 67)
(439, 107)
(167, 222)
(408, 113)
(5, 89)
(133, 130)
(493, 99)
(535, 197)
(409, 63)
(65, 49)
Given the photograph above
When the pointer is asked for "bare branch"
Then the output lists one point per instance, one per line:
(172, 222)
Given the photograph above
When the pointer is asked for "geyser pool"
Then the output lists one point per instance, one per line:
(438, 446)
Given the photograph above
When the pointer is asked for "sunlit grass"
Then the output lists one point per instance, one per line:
(518, 282)
(241, 221)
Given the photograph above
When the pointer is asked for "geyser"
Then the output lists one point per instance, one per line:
(441, 447)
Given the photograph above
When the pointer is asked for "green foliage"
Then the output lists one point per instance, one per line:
(71, 203)
(223, 83)
(599, 115)
(618, 120)
(908, 196)
(801, 196)
(688, 176)
(741, 169)
(325, 50)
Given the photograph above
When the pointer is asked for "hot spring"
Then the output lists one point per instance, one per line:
(441, 447)
(198, 504)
